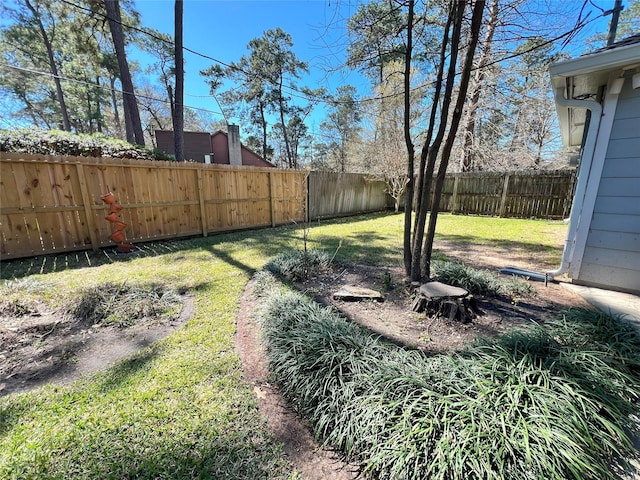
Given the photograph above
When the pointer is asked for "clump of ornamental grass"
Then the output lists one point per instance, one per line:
(479, 281)
(538, 403)
(124, 304)
(264, 282)
(294, 265)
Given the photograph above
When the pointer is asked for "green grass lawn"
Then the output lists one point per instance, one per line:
(179, 408)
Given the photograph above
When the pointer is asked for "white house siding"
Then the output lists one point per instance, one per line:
(612, 253)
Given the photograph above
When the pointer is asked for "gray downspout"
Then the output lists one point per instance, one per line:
(584, 171)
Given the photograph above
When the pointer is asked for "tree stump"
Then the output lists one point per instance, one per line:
(441, 300)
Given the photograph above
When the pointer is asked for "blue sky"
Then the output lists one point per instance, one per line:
(222, 29)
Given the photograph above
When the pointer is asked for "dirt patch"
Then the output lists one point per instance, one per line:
(51, 347)
(395, 320)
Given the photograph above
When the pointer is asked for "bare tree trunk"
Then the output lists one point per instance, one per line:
(178, 117)
(264, 131)
(98, 106)
(114, 100)
(408, 203)
(132, 114)
(66, 124)
(430, 150)
(476, 89)
(127, 122)
(89, 113)
(476, 21)
(284, 127)
(172, 102)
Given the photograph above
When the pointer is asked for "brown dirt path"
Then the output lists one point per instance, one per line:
(309, 458)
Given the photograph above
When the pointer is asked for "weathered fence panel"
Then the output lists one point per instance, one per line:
(337, 194)
(546, 195)
(53, 204)
(515, 194)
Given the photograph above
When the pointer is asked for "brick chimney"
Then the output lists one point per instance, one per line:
(235, 149)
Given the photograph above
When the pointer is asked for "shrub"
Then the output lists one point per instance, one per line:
(533, 404)
(57, 142)
(294, 265)
(479, 281)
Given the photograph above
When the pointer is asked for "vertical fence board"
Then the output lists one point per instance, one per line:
(11, 224)
(86, 204)
(132, 215)
(272, 207)
(200, 192)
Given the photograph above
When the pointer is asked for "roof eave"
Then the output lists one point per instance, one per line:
(587, 66)
(595, 62)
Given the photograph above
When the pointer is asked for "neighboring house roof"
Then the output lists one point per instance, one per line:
(197, 145)
(583, 77)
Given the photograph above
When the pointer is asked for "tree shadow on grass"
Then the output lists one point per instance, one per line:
(366, 247)
(122, 371)
(510, 245)
(11, 412)
(206, 447)
(47, 363)
(268, 239)
(12, 408)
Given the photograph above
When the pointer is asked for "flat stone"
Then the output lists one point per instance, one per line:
(353, 293)
(441, 290)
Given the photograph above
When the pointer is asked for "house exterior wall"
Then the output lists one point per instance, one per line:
(612, 253)
(220, 149)
(196, 144)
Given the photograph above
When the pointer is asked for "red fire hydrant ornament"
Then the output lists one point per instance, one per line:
(113, 217)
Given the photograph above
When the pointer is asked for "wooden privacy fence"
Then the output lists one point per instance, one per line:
(521, 195)
(339, 194)
(51, 204)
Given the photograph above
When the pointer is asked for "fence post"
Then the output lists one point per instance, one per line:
(454, 196)
(86, 200)
(203, 210)
(272, 200)
(307, 219)
(503, 200)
